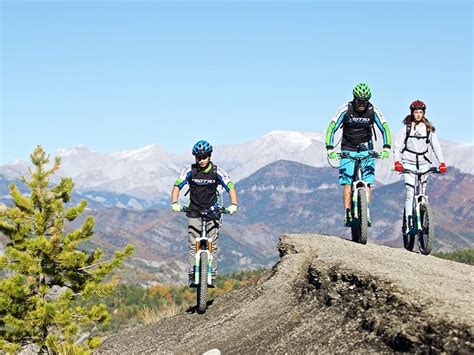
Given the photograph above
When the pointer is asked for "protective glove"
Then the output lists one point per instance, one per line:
(442, 168)
(232, 208)
(175, 207)
(398, 167)
(332, 154)
(385, 153)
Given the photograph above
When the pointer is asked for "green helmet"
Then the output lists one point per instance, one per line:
(362, 91)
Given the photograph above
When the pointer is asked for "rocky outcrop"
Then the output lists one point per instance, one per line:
(327, 295)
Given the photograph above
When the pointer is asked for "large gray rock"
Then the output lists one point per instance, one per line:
(327, 295)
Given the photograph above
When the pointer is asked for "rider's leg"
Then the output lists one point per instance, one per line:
(368, 174)
(410, 181)
(410, 191)
(424, 178)
(346, 197)
(213, 234)
(346, 170)
(194, 231)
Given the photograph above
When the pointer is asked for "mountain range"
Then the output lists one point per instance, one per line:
(149, 172)
(291, 196)
(281, 196)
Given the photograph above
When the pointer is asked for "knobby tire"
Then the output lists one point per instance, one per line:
(363, 220)
(426, 235)
(360, 225)
(202, 286)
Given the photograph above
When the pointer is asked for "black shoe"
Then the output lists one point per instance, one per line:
(191, 280)
(348, 218)
(213, 278)
(410, 225)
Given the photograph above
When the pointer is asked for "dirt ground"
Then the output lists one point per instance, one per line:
(327, 294)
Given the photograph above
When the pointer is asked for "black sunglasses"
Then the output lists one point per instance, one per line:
(202, 157)
(361, 102)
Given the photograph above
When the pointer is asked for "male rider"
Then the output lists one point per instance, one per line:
(357, 118)
(203, 178)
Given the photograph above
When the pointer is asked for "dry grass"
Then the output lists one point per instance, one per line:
(152, 315)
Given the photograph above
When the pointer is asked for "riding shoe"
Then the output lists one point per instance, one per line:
(347, 218)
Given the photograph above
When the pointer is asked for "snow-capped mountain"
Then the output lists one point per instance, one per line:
(149, 172)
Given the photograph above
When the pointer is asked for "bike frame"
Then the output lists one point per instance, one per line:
(357, 182)
(418, 197)
(204, 245)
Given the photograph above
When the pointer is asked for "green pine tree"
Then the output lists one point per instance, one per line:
(45, 277)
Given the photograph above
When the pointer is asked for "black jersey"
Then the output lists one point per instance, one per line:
(203, 186)
(357, 127)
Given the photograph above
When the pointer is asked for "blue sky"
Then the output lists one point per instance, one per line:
(119, 75)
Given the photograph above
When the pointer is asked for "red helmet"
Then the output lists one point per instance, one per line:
(417, 105)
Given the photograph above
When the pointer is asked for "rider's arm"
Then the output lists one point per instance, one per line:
(383, 127)
(334, 125)
(180, 182)
(227, 184)
(399, 144)
(233, 196)
(436, 147)
(175, 194)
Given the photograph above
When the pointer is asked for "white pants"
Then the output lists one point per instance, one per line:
(410, 181)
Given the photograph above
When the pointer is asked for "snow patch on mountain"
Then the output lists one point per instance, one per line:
(302, 140)
(149, 172)
(152, 151)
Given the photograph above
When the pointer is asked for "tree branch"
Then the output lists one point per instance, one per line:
(93, 265)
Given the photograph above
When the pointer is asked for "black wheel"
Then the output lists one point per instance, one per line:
(355, 229)
(360, 227)
(408, 238)
(426, 235)
(202, 286)
(364, 223)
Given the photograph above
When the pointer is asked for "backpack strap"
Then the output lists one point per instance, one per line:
(194, 171)
(373, 130)
(427, 138)
(214, 168)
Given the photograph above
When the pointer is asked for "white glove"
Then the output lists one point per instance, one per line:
(232, 208)
(175, 207)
